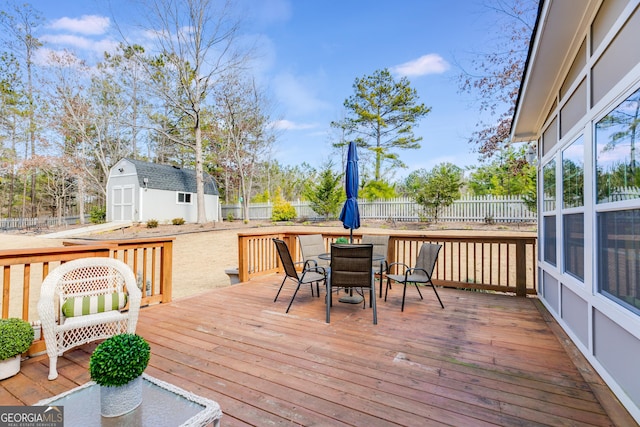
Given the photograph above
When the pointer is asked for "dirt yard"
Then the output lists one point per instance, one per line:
(203, 252)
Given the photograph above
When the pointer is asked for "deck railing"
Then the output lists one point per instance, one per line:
(23, 271)
(502, 263)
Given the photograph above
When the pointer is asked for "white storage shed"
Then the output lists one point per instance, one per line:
(139, 191)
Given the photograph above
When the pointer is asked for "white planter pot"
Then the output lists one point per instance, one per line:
(9, 367)
(116, 401)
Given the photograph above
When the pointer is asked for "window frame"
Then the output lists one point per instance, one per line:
(186, 195)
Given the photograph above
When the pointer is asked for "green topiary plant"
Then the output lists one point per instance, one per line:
(16, 336)
(119, 360)
(342, 240)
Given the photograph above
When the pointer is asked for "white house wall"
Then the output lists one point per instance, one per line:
(163, 206)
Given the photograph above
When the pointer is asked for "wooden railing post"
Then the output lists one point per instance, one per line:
(243, 260)
(166, 271)
(521, 269)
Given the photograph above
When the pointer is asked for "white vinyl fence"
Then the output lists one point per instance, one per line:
(476, 208)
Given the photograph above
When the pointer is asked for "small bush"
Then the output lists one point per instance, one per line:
(283, 211)
(152, 223)
(98, 215)
(342, 240)
(16, 337)
(177, 221)
(230, 217)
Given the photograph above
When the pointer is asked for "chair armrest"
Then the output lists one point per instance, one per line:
(398, 263)
(384, 266)
(307, 262)
(320, 270)
(413, 270)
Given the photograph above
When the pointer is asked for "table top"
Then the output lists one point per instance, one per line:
(163, 404)
(327, 256)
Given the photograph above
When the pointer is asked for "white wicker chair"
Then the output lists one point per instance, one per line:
(85, 277)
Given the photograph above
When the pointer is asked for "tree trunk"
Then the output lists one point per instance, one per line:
(81, 197)
(202, 214)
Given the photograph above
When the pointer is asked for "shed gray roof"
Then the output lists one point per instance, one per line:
(171, 178)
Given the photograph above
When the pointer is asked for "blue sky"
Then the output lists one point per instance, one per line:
(311, 51)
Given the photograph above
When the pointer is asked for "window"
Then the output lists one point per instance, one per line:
(549, 230)
(619, 257)
(573, 174)
(184, 198)
(549, 186)
(573, 230)
(617, 134)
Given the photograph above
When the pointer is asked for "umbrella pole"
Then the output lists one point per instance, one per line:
(351, 235)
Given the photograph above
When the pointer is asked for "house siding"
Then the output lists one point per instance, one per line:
(601, 72)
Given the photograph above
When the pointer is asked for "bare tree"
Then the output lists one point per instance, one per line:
(125, 72)
(495, 75)
(59, 184)
(243, 124)
(195, 44)
(90, 113)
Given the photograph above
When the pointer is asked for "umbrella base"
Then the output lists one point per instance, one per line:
(351, 299)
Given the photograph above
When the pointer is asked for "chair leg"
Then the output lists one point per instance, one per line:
(373, 302)
(404, 292)
(53, 368)
(419, 293)
(438, 296)
(293, 297)
(328, 302)
(281, 285)
(386, 289)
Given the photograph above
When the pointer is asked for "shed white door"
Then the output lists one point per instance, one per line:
(123, 203)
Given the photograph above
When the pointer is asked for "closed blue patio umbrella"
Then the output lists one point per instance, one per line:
(350, 215)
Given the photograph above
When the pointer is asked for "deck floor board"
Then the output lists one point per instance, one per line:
(486, 359)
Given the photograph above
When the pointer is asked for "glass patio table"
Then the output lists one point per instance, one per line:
(163, 405)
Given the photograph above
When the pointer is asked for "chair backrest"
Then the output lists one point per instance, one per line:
(312, 245)
(351, 265)
(91, 276)
(285, 258)
(380, 244)
(427, 257)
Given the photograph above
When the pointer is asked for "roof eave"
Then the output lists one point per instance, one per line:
(558, 34)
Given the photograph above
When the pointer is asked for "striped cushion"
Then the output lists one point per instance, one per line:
(94, 304)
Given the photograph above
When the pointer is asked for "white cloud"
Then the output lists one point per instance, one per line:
(86, 24)
(426, 64)
(298, 94)
(289, 125)
(81, 43)
(68, 40)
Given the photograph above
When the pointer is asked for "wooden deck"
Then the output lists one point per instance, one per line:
(486, 359)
